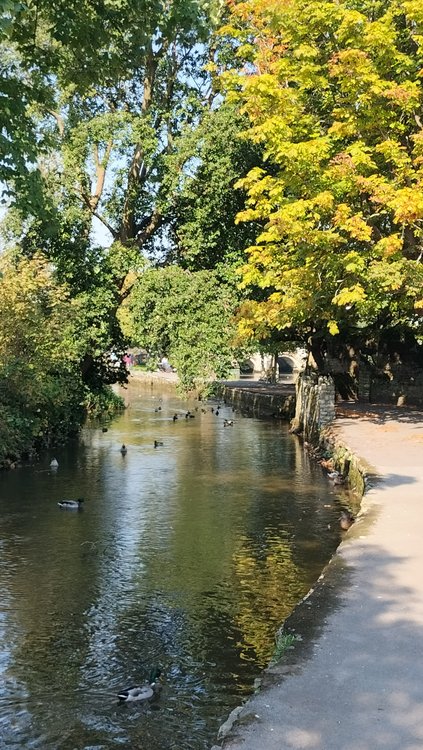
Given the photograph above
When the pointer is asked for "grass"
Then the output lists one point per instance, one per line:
(283, 643)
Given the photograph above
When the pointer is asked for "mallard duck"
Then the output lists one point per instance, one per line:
(346, 520)
(54, 464)
(142, 692)
(157, 443)
(71, 504)
(228, 422)
(124, 450)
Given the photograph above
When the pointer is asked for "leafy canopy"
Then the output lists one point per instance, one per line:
(121, 81)
(333, 93)
(189, 317)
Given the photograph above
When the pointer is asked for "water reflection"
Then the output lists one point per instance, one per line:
(188, 555)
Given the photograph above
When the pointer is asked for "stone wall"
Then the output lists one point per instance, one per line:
(400, 383)
(315, 406)
(261, 403)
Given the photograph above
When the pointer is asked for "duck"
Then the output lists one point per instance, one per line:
(228, 422)
(54, 464)
(157, 443)
(104, 429)
(336, 477)
(175, 417)
(333, 475)
(346, 520)
(124, 450)
(71, 504)
(142, 692)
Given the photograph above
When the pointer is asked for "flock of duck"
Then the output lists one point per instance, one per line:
(150, 689)
(346, 518)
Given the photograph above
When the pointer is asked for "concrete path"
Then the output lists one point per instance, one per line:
(355, 682)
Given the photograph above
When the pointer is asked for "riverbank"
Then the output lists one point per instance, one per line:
(354, 679)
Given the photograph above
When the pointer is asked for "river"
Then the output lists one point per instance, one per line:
(186, 556)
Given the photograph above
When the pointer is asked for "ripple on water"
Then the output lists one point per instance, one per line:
(188, 557)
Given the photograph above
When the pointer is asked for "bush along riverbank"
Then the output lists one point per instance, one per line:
(29, 426)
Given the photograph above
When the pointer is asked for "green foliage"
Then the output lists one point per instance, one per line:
(189, 317)
(103, 403)
(208, 202)
(18, 142)
(335, 100)
(119, 82)
(44, 335)
(284, 642)
(40, 388)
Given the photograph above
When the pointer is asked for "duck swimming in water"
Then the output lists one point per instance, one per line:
(157, 443)
(54, 464)
(71, 504)
(124, 450)
(142, 692)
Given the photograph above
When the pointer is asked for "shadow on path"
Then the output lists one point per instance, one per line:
(359, 686)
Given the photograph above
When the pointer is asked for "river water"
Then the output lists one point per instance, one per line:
(187, 556)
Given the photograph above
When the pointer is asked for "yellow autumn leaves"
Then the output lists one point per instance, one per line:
(334, 96)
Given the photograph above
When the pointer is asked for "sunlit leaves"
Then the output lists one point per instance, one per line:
(337, 109)
(40, 349)
(189, 317)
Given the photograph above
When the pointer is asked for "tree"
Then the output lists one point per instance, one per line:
(18, 90)
(333, 94)
(113, 110)
(208, 202)
(189, 317)
(122, 87)
(41, 392)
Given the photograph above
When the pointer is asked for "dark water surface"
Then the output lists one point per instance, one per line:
(187, 556)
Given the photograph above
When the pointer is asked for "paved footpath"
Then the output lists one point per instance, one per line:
(358, 683)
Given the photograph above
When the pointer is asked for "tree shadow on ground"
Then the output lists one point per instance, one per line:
(393, 480)
(379, 413)
(355, 680)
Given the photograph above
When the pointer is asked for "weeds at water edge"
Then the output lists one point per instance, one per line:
(283, 643)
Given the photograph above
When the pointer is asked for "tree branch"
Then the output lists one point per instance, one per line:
(87, 200)
(59, 119)
(100, 169)
(147, 227)
(108, 226)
